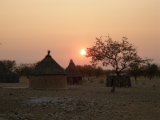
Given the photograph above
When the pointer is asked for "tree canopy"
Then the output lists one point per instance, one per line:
(152, 70)
(117, 54)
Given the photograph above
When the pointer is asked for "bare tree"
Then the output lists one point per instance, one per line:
(117, 54)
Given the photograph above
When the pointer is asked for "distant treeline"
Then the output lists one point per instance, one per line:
(22, 69)
(148, 70)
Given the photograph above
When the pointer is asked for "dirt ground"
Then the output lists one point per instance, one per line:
(89, 101)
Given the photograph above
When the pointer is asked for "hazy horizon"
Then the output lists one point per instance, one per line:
(28, 29)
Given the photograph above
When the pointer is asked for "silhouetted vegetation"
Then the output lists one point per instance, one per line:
(18, 70)
(119, 55)
(24, 69)
(9, 64)
(89, 70)
(152, 70)
(137, 69)
(6, 72)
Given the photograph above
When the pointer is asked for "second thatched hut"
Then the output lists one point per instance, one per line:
(48, 74)
(74, 75)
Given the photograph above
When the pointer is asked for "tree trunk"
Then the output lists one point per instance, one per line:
(135, 77)
(114, 86)
(114, 82)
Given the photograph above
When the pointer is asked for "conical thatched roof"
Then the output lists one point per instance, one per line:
(72, 70)
(48, 66)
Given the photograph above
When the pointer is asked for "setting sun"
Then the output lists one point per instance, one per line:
(83, 52)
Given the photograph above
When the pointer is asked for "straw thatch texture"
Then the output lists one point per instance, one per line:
(48, 74)
(48, 66)
(74, 76)
(6, 76)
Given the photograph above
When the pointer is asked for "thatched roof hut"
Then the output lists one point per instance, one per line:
(74, 75)
(7, 76)
(48, 74)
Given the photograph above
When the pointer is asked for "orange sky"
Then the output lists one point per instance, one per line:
(28, 28)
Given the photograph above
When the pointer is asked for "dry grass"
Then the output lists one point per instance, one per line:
(92, 81)
(91, 100)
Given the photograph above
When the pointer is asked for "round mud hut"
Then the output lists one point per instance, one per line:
(7, 76)
(74, 76)
(48, 74)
